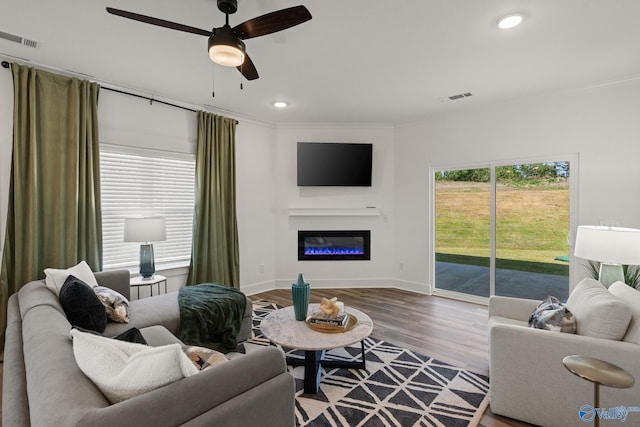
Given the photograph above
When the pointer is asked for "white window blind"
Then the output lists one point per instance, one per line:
(135, 183)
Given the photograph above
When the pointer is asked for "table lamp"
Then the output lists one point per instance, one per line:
(147, 230)
(611, 246)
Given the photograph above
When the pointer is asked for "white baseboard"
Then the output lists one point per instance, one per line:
(256, 288)
(420, 288)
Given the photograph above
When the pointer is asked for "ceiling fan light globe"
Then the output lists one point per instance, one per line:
(225, 48)
(229, 56)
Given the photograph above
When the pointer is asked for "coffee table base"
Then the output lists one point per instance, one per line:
(313, 361)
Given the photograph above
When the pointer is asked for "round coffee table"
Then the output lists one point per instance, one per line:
(282, 328)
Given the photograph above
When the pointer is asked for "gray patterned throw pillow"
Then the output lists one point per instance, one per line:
(552, 315)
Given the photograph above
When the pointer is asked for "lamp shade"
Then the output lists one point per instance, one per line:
(147, 229)
(611, 245)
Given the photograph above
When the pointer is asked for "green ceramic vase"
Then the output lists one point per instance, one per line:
(300, 292)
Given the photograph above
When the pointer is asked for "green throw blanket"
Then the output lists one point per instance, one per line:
(210, 315)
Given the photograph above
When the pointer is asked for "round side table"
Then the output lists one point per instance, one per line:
(599, 373)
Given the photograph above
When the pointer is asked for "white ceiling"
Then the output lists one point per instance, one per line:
(356, 61)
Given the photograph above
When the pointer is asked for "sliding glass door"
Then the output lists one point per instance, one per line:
(503, 230)
(462, 224)
(532, 226)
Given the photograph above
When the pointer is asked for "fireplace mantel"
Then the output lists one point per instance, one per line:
(334, 212)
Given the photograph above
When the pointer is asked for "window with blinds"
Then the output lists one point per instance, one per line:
(143, 183)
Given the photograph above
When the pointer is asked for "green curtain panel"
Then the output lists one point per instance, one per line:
(214, 255)
(54, 218)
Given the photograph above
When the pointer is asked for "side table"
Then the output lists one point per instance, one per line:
(599, 373)
(156, 279)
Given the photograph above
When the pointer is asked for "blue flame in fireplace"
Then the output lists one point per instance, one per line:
(332, 251)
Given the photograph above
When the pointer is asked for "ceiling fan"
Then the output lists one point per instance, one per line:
(226, 46)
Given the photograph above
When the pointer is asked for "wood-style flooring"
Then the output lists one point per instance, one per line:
(452, 331)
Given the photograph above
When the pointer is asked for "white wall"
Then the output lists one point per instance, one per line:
(255, 203)
(375, 272)
(599, 123)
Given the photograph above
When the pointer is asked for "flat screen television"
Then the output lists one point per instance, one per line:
(334, 164)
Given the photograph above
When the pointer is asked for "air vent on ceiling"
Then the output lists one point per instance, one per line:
(460, 96)
(19, 39)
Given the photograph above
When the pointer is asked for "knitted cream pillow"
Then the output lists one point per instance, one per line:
(598, 313)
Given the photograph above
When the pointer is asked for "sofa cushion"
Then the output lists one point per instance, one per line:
(632, 297)
(116, 305)
(55, 278)
(160, 310)
(122, 370)
(599, 313)
(81, 305)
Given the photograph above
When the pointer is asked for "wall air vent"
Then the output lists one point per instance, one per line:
(18, 39)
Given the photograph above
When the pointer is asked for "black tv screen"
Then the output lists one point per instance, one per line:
(334, 164)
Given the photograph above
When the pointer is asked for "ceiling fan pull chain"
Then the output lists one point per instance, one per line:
(241, 76)
(213, 89)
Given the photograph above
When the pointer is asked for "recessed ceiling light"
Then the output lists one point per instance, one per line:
(509, 21)
(280, 104)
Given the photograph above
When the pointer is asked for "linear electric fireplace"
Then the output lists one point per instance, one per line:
(321, 245)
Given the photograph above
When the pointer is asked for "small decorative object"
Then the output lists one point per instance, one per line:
(330, 316)
(300, 292)
(330, 307)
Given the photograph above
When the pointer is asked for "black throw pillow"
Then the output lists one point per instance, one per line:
(82, 306)
(130, 335)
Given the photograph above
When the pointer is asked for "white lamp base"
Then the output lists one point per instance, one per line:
(610, 273)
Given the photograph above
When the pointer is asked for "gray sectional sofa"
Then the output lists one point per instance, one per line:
(43, 385)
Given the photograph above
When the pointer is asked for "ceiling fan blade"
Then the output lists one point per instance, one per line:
(247, 69)
(272, 22)
(158, 22)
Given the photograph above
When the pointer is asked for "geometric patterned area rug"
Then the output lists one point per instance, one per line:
(399, 387)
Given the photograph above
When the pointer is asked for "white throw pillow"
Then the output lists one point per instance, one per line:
(55, 278)
(598, 313)
(122, 370)
(632, 297)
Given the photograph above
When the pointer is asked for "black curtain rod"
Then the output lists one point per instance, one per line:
(151, 100)
(6, 64)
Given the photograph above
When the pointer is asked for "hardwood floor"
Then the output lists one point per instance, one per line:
(451, 331)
